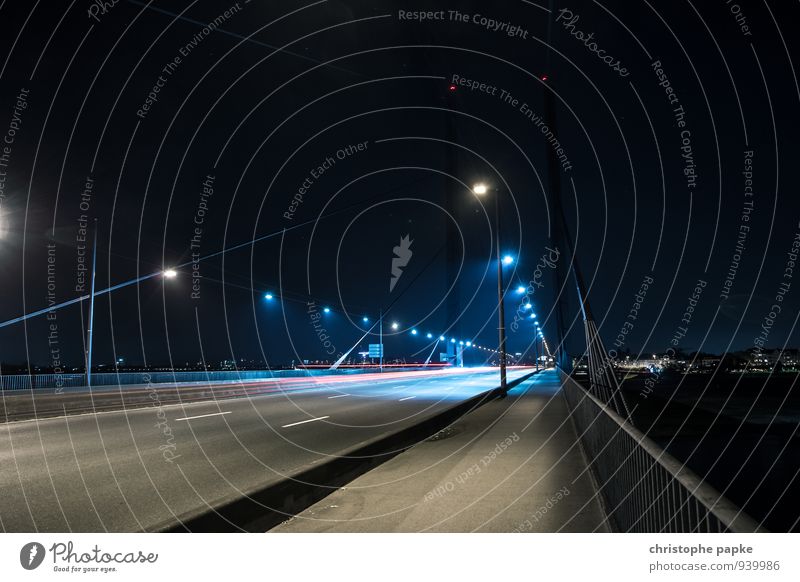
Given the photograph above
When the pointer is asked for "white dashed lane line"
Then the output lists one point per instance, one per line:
(203, 416)
(406, 398)
(305, 421)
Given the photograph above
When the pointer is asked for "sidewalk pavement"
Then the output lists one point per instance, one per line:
(513, 465)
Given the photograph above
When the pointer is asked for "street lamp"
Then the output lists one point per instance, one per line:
(480, 190)
(170, 273)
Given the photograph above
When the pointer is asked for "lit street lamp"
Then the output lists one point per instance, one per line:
(480, 190)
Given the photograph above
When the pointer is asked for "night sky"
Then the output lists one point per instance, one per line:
(191, 127)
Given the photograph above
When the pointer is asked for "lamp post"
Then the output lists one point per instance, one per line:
(89, 339)
(480, 190)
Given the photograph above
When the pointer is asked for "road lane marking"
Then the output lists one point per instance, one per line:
(203, 415)
(406, 398)
(305, 421)
(338, 396)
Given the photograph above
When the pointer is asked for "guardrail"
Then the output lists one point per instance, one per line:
(645, 489)
(58, 381)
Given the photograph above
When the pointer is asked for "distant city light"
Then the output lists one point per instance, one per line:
(413, 332)
(326, 309)
(520, 289)
(365, 319)
(452, 340)
(528, 305)
(395, 325)
(461, 343)
(170, 273)
(429, 336)
(480, 189)
(508, 259)
(469, 344)
(441, 338)
(269, 296)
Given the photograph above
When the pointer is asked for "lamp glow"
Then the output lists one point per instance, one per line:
(480, 189)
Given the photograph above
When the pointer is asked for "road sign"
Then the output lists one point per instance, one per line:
(375, 350)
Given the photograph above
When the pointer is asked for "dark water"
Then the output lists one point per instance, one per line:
(739, 433)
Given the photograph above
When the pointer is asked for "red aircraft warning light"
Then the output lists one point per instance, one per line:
(452, 87)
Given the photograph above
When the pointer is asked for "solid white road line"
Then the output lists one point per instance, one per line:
(338, 396)
(406, 398)
(203, 415)
(305, 421)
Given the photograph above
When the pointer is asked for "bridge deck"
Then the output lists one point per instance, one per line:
(512, 465)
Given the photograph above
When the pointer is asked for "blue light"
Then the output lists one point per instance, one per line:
(461, 343)
(413, 332)
(469, 344)
(429, 336)
(441, 338)
(326, 309)
(269, 297)
(533, 316)
(528, 305)
(452, 340)
(520, 289)
(365, 320)
(508, 259)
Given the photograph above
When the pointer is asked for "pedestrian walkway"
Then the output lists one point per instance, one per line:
(513, 465)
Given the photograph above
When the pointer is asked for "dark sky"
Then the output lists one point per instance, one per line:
(261, 99)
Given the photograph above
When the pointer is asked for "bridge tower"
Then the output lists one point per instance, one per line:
(602, 376)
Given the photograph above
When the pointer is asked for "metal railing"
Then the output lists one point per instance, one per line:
(72, 380)
(644, 488)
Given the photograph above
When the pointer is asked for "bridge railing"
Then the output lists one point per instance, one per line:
(644, 488)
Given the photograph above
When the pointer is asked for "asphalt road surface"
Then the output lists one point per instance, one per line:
(142, 469)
